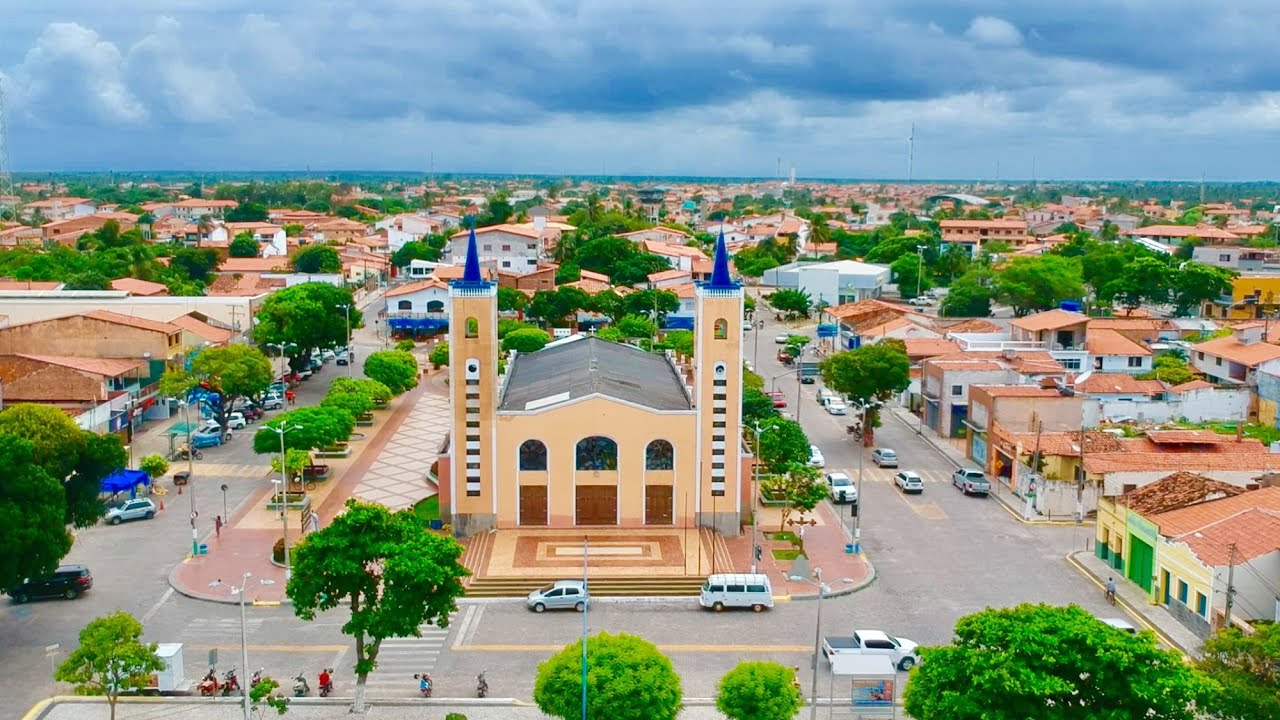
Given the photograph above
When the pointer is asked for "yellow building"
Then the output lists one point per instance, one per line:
(586, 432)
(1251, 294)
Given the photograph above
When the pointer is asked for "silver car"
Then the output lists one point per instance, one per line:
(884, 457)
(909, 482)
(559, 595)
(138, 509)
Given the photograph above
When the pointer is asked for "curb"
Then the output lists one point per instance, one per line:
(862, 585)
(1128, 608)
(1009, 509)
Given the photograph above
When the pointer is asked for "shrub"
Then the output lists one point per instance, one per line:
(406, 345)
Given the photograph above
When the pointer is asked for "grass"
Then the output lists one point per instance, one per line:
(428, 509)
(783, 536)
(787, 554)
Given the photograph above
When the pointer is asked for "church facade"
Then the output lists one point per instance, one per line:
(590, 433)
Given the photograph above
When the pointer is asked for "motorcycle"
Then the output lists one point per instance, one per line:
(300, 686)
(326, 682)
(424, 684)
(209, 684)
(482, 685)
(230, 683)
(257, 677)
(185, 453)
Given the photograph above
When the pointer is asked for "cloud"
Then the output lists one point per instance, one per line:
(1093, 87)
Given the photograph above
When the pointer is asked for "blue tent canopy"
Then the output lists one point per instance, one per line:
(122, 480)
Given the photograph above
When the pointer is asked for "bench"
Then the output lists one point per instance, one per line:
(333, 452)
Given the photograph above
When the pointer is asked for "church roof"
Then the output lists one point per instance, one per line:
(565, 371)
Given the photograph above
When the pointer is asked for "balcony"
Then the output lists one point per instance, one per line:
(411, 315)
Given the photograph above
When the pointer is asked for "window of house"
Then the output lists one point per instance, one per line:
(1202, 604)
(597, 453)
(1224, 257)
(1135, 362)
(404, 305)
(957, 390)
(533, 455)
(506, 248)
(1182, 591)
(1199, 356)
(488, 247)
(1217, 361)
(1071, 363)
(435, 306)
(506, 263)
(659, 455)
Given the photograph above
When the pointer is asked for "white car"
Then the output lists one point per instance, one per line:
(841, 488)
(271, 401)
(908, 482)
(922, 301)
(815, 457)
(327, 355)
(836, 407)
(236, 421)
(747, 325)
(782, 339)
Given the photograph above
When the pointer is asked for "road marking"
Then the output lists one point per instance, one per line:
(271, 648)
(928, 511)
(156, 608)
(1132, 612)
(664, 648)
(467, 617)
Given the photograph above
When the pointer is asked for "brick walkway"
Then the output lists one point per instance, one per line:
(824, 546)
(397, 478)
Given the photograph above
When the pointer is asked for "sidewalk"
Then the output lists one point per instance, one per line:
(824, 545)
(1137, 603)
(245, 543)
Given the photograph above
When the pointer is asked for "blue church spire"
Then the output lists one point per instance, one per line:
(720, 278)
(471, 272)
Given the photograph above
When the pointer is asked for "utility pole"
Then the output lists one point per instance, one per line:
(1231, 590)
(1080, 473)
(920, 269)
(911, 155)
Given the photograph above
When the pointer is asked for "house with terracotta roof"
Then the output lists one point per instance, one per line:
(98, 393)
(30, 285)
(972, 234)
(1014, 407)
(59, 208)
(945, 381)
(1168, 238)
(1191, 542)
(421, 306)
(198, 330)
(139, 288)
(68, 230)
(1234, 359)
(658, 235)
(681, 257)
(1061, 332)
(1111, 352)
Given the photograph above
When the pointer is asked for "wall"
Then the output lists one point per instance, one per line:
(23, 307)
(1182, 564)
(560, 428)
(79, 336)
(1115, 481)
(1195, 406)
(34, 381)
(1255, 598)
(1120, 364)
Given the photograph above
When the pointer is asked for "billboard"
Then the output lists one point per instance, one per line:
(873, 696)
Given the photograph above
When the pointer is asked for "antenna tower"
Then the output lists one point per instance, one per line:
(911, 155)
(6, 178)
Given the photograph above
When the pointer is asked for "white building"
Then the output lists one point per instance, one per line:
(408, 227)
(427, 298)
(60, 208)
(514, 248)
(831, 283)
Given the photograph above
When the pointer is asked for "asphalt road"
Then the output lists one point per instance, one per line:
(938, 557)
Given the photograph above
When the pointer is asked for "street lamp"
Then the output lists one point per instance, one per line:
(244, 639)
(346, 309)
(191, 474)
(817, 636)
(755, 499)
(284, 492)
(281, 347)
(757, 326)
(920, 267)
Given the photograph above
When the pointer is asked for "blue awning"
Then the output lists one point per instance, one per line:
(122, 480)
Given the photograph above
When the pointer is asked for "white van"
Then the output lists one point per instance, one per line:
(742, 591)
(825, 396)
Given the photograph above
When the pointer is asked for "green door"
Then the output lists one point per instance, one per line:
(1141, 557)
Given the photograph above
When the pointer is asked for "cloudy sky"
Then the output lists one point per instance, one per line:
(1082, 89)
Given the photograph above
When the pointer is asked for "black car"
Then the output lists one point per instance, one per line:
(68, 581)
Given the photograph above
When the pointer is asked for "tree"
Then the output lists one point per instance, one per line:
(759, 690)
(554, 306)
(872, 372)
(153, 465)
(377, 393)
(91, 280)
(681, 341)
(1169, 369)
(294, 462)
(1247, 671)
(232, 372)
(197, 263)
(247, 212)
(906, 272)
(1196, 283)
(396, 369)
(966, 298)
(263, 695)
(416, 250)
(783, 444)
(393, 575)
(1031, 284)
(406, 345)
(1142, 279)
(243, 245)
(33, 510)
(1050, 663)
(313, 427)
(656, 304)
(307, 315)
(636, 326)
(795, 303)
(439, 356)
(110, 659)
(317, 259)
(356, 403)
(526, 340)
(798, 485)
(756, 406)
(628, 678)
(511, 300)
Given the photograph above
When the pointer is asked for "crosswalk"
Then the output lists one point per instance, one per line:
(206, 469)
(400, 658)
(219, 631)
(873, 474)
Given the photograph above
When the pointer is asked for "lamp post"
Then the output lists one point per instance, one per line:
(799, 379)
(191, 476)
(817, 637)
(284, 493)
(346, 309)
(244, 639)
(756, 326)
(755, 499)
(920, 269)
(281, 347)
(585, 600)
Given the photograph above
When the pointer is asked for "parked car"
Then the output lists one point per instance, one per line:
(237, 421)
(884, 457)
(136, 509)
(815, 457)
(782, 339)
(559, 595)
(272, 402)
(784, 357)
(836, 407)
(68, 581)
(1123, 626)
(342, 358)
(903, 652)
(841, 488)
(971, 481)
(206, 438)
(277, 387)
(779, 401)
(327, 355)
(304, 374)
(741, 591)
(908, 482)
(922, 301)
(747, 325)
(251, 412)
(826, 395)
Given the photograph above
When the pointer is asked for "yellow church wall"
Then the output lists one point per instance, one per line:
(561, 427)
(480, 343)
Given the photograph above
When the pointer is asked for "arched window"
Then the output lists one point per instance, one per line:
(722, 329)
(533, 455)
(597, 453)
(473, 327)
(659, 456)
(404, 305)
(435, 306)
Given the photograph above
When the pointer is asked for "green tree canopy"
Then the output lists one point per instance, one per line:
(390, 573)
(511, 300)
(795, 303)
(628, 678)
(759, 690)
(1196, 283)
(783, 443)
(198, 263)
(872, 372)
(377, 393)
(247, 212)
(656, 304)
(1247, 671)
(243, 245)
(316, 259)
(33, 509)
(798, 485)
(231, 371)
(1170, 369)
(636, 326)
(554, 306)
(966, 298)
(757, 407)
(907, 274)
(416, 250)
(307, 315)
(312, 428)
(356, 403)
(439, 356)
(154, 465)
(1143, 279)
(1050, 663)
(1031, 284)
(681, 341)
(526, 340)
(111, 659)
(396, 369)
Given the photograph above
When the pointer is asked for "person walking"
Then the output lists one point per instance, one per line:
(217, 526)
(289, 395)
(1111, 590)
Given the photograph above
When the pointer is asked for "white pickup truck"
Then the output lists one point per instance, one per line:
(904, 653)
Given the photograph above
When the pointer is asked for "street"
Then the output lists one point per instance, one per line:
(938, 556)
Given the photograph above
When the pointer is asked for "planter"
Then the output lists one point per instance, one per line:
(769, 501)
(339, 450)
(295, 501)
(316, 473)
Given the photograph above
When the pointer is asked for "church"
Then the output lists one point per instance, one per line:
(590, 433)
